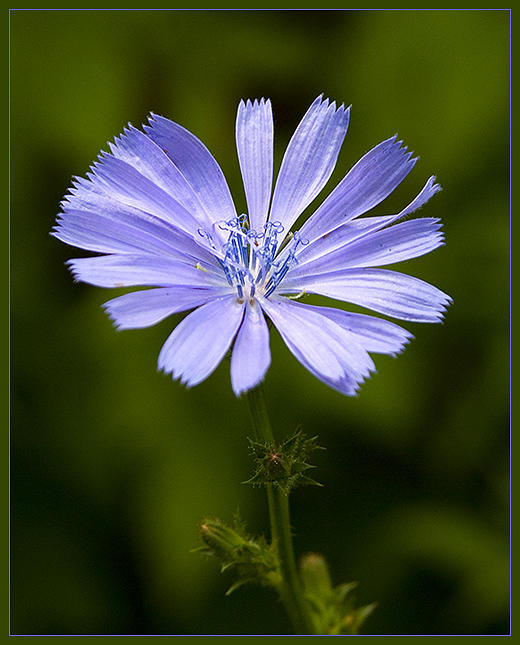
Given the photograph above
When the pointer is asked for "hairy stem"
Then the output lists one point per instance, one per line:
(290, 589)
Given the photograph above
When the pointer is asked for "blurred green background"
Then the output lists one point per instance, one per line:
(113, 464)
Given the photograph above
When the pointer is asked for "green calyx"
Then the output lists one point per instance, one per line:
(283, 464)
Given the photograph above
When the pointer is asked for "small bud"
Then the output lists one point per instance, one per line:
(315, 575)
(253, 559)
(220, 538)
(332, 609)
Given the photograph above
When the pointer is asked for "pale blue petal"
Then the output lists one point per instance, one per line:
(353, 230)
(326, 349)
(146, 308)
(387, 292)
(117, 228)
(341, 237)
(114, 181)
(367, 184)
(251, 356)
(139, 151)
(113, 271)
(200, 341)
(374, 334)
(429, 190)
(400, 242)
(308, 161)
(254, 135)
(197, 165)
(397, 243)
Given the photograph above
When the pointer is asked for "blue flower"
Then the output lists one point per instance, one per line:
(159, 210)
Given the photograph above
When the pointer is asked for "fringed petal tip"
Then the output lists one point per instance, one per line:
(324, 102)
(248, 104)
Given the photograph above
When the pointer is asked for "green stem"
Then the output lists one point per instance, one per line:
(290, 588)
(259, 416)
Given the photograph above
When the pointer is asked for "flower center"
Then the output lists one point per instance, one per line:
(255, 262)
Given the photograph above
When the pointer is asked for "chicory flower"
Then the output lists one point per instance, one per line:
(159, 211)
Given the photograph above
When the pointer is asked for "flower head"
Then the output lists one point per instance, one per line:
(159, 211)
